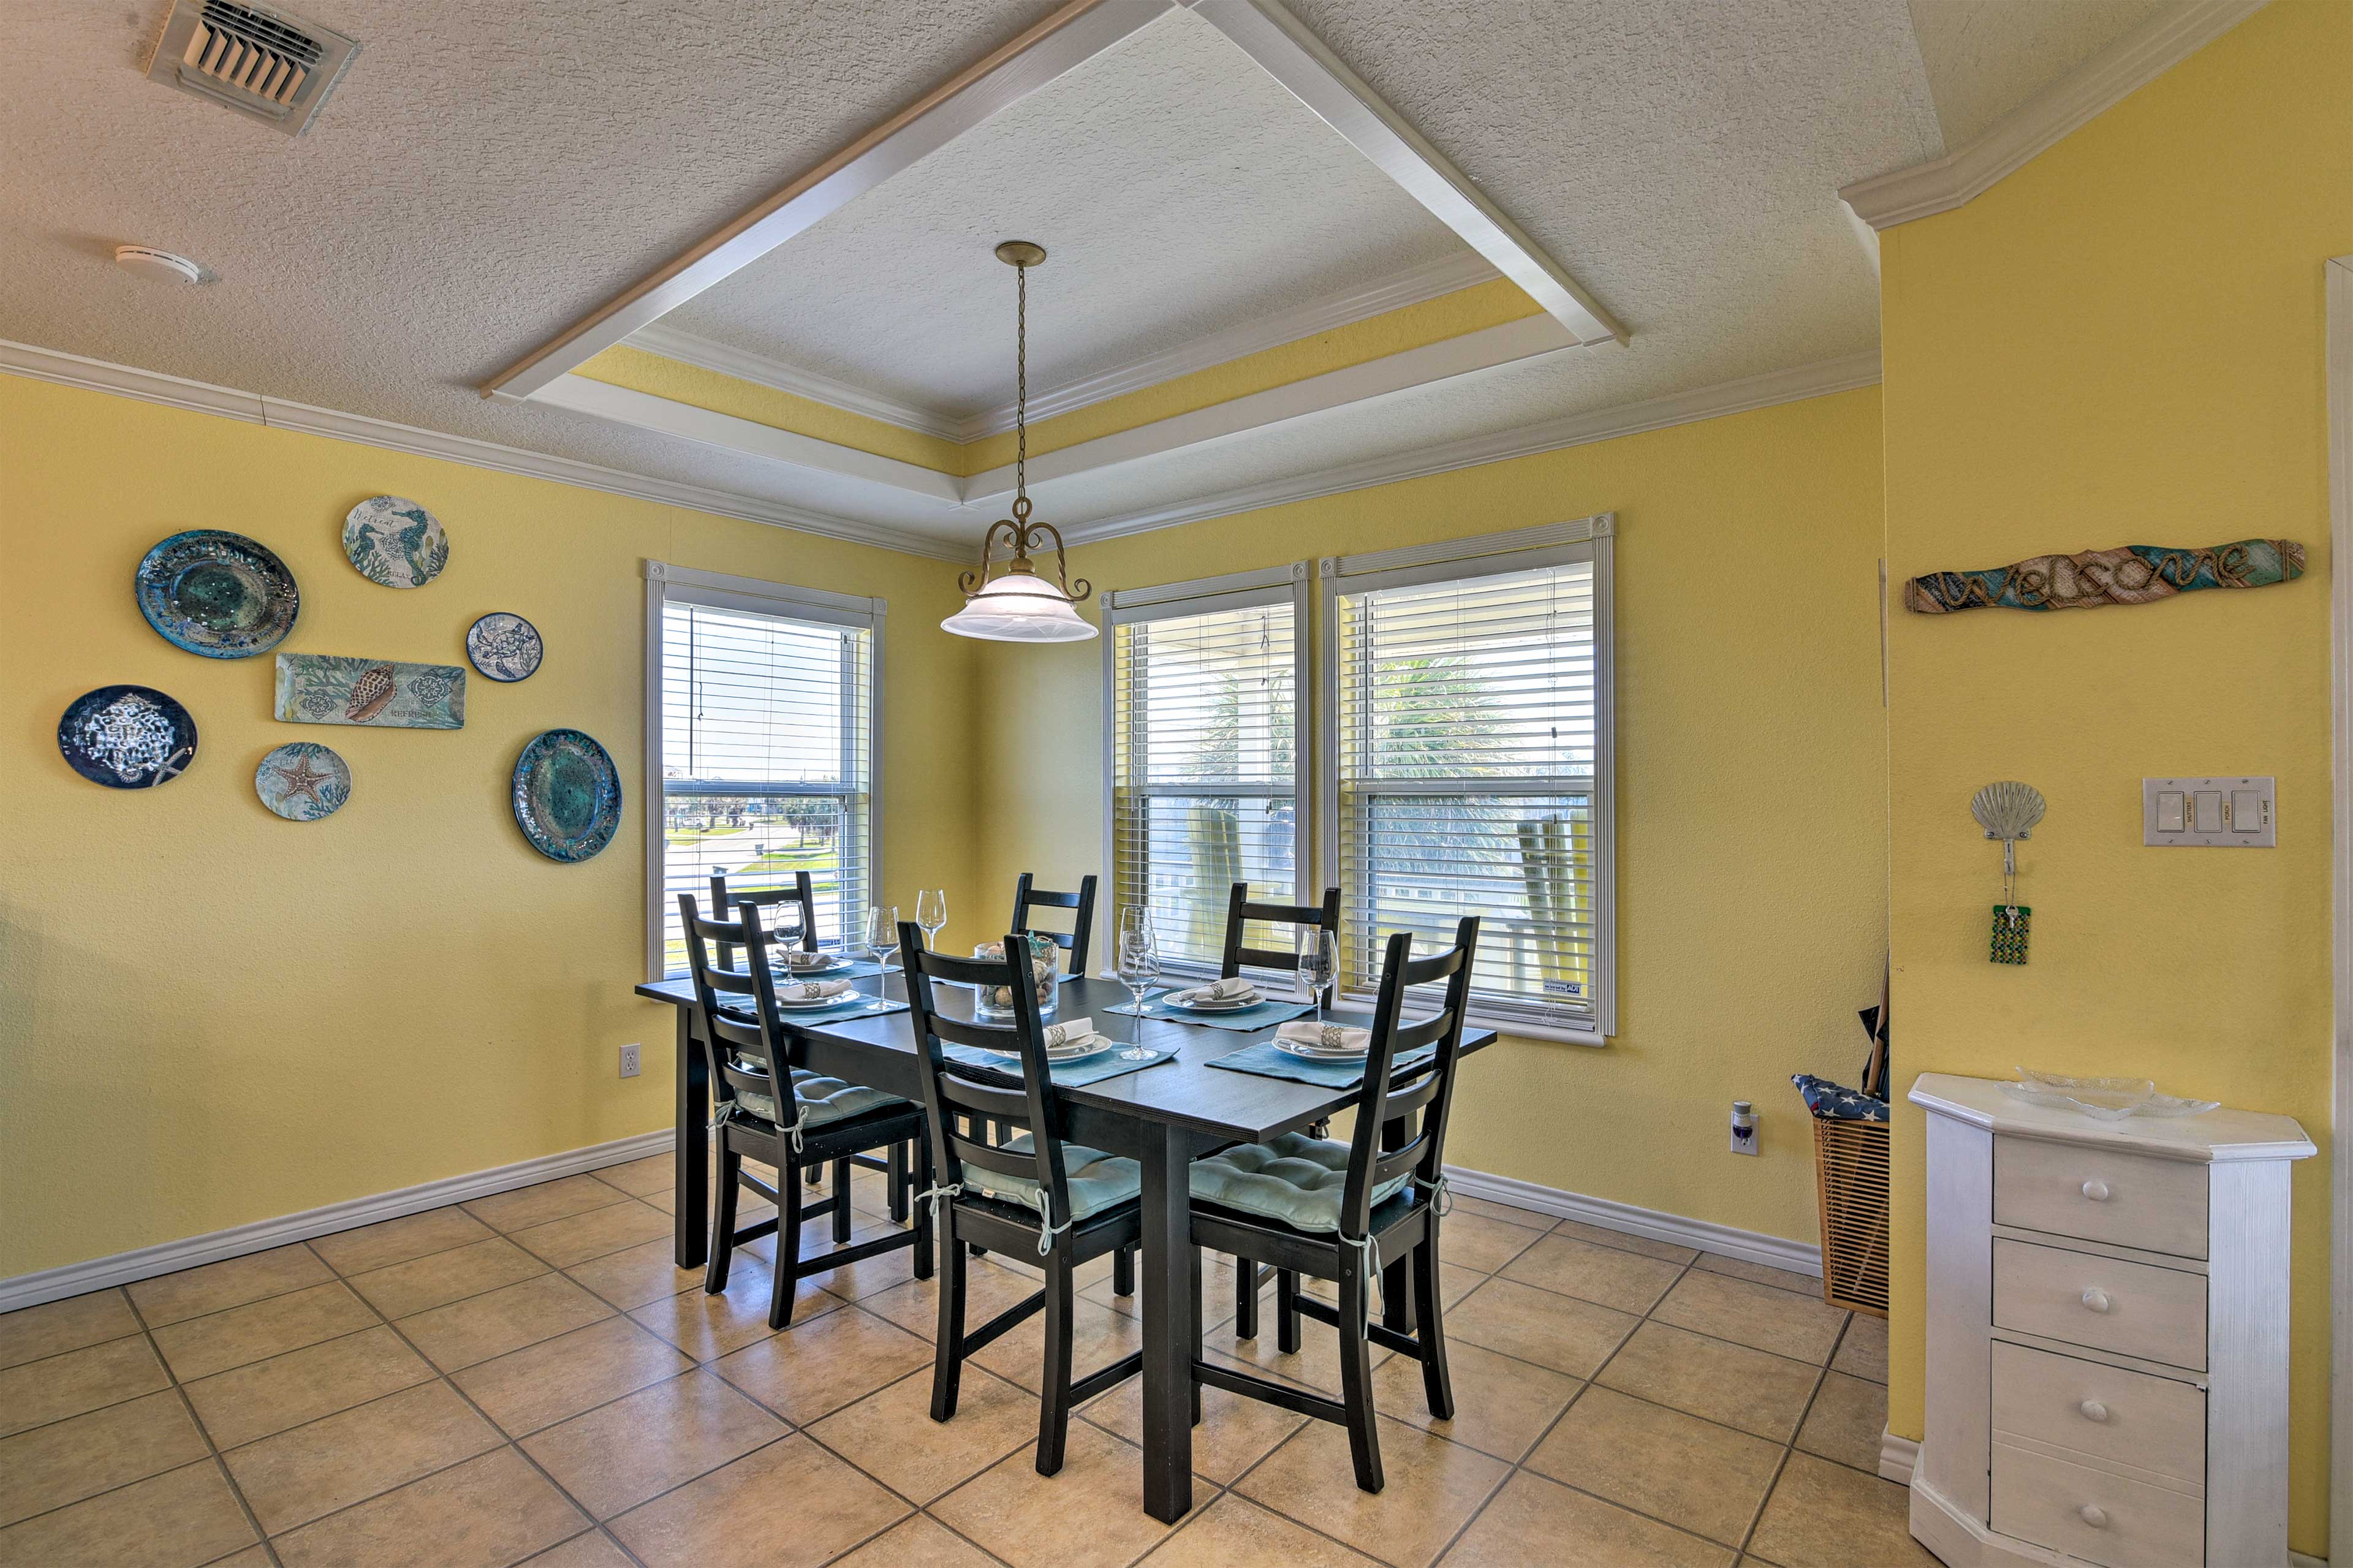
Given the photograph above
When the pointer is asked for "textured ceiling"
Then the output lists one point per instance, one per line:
(1985, 57)
(1176, 187)
(490, 170)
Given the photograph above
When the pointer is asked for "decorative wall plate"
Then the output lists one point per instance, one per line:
(302, 781)
(504, 646)
(395, 541)
(216, 594)
(321, 688)
(127, 737)
(567, 794)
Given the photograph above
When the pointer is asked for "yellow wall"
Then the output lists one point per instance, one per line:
(1751, 872)
(2122, 342)
(209, 1016)
(1416, 326)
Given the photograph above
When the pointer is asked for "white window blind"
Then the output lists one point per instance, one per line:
(1471, 756)
(766, 713)
(1203, 734)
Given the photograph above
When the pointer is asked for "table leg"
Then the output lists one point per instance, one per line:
(690, 1217)
(1168, 1288)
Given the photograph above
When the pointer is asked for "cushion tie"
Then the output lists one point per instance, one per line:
(724, 1113)
(936, 1196)
(1439, 1196)
(1047, 1233)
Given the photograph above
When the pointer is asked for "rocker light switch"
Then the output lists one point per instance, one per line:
(2226, 812)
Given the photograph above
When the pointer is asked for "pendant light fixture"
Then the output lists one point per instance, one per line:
(1017, 605)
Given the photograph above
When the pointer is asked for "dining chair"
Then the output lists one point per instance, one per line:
(1028, 896)
(1346, 1212)
(800, 899)
(1241, 909)
(750, 1053)
(1033, 1196)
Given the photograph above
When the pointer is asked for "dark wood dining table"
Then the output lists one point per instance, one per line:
(1162, 1117)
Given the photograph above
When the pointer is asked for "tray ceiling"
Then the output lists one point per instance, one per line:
(1176, 187)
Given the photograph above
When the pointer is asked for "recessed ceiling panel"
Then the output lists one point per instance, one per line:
(1178, 188)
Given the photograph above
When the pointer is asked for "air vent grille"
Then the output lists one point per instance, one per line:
(263, 62)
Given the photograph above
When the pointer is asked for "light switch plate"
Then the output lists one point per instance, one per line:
(2213, 813)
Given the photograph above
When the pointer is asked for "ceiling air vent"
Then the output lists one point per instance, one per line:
(267, 63)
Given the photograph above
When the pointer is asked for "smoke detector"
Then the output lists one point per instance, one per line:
(146, 261)
(263, 62)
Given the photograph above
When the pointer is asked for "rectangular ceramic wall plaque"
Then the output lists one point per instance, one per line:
(319, 688)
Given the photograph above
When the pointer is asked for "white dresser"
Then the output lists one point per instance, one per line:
(2108, 1372)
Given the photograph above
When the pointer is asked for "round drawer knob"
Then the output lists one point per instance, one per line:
(2097, 1191)
(2092, 1514)
(2094, 1410)
(2096, 1300)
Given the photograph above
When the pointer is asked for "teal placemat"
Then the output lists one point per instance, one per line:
(1068, 1075)
(1267, 1062)
(849, 1007)
(1248, 1020)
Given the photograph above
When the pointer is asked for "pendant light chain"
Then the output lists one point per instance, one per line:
(1022, 393)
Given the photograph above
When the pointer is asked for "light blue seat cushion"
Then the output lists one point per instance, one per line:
(1297, 1179)
(826, 1099)
(1097, 1180)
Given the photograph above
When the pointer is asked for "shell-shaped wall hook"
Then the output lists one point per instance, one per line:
(2008, 810)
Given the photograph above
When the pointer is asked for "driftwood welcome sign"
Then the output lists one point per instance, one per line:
(2135, 574)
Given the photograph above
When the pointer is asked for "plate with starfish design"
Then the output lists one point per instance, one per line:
(304, 780)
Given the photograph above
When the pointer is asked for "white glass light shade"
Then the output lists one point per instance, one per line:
(1019, 607)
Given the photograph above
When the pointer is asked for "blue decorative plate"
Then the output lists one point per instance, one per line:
(216, 594)
(302, 781)
(127, 737)
(567, 794)
(395, 541)
(504, 645)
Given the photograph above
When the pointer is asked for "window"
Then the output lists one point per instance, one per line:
(1204, 699)
(1467, 756)
(761, 744)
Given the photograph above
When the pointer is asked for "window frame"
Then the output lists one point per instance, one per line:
(667, 583)
(1205, 595)
(1495, 555)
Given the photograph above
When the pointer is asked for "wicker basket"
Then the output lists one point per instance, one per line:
(1851, 1162)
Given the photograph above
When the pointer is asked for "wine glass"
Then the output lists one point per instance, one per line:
(881, 942)
(1139, 967)
(1319, 963)
(931, 914)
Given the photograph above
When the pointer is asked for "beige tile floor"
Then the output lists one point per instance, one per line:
(526, 1378)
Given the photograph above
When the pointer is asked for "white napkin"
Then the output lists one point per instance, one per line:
(801, 958)
(812, 990)
(1325, 1039)
(1233, 988)
(1069, 1032)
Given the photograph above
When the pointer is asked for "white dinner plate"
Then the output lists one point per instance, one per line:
(1317, 1053)
(1234, 1006)
(809, 1003)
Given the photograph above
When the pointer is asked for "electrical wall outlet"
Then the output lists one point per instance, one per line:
(628, 1062)
(1744, 1127)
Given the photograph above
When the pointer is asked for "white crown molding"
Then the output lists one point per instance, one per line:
(238, 1241)
(1723, 1240)
(1573, 430)
(2130, 63)
(1530, 337)
(153, 386)
(1412, 287)
(1445, 276)
(669, 343)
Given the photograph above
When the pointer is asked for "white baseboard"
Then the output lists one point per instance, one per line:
(123, 1267)
(1724, 1240)
(2298, 1559)
(1898, 1458)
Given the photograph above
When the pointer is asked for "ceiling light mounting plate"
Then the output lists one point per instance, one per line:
(1021, 252)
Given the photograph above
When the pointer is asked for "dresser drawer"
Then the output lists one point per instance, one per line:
(2091, 1514)
(2132, 1309)
(2101, 1194)
(2125, 1417)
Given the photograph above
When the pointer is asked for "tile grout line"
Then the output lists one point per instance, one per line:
(220, 1461)
(1782, 1468)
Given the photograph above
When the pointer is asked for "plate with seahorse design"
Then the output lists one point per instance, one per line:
(394, 541)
